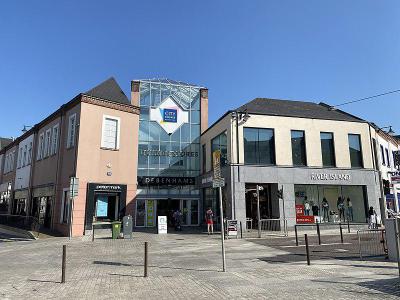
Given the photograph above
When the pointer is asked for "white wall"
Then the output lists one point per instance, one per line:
(391, 146)
(1, 164)
(23, 170)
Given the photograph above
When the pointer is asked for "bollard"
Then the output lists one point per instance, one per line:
(348, 225)
(64, 258)
(146, 257)
(319, 234)
(92, 233)
(241, 230)
(341, 233)
(307, 249)
(295, 231)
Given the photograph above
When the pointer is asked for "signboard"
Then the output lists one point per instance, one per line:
(162, 225)
(150, 213)
(301, 218)
(395, 177)
(169, 115)
(330, 176)
(73, 187)
(156, 180)
(232, 227)
(102, 206)
(218, 181)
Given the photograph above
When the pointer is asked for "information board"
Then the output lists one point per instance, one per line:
(162, 225)
(102, 206)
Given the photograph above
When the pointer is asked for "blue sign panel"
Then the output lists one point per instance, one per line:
(170, 115)
(102, 206)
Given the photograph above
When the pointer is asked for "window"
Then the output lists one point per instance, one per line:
(71, 131)
(383, 156)
(387, 158)
(328, 149)
(299, 148)
(355, 151)
(40, 146)
(259, 146)
(65, 207)
(203, 158)
(25, 162)
(19, 163)
(110, 134)
(220, 143)
(54, 140)
(30, 153)
(47, 143)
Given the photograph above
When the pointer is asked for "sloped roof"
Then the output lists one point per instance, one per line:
(109, 90)
(4, 142)
(299, 109)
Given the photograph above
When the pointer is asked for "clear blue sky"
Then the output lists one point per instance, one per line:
(331, 51)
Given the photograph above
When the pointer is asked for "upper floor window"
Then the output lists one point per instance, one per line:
(110, 133)
(25, 161)
(355, 151)
(71, 131)
(387, 158)
(299, 148)
(383, 156)
(220, 143)
(20, 162)
(328, 149)
(40, 146)
(259, 146)
(203, 158)
(47, 143)
(54, 140)
(30, 153)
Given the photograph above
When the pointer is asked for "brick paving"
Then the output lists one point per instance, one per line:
(188, 266)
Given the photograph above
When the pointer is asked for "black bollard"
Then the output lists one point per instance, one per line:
(64, 259)
(307, 249)
(319, 234)
(297, 238)
(146, 258)
(341, 233)
(348, 225)
(241, 230)
(92, 233)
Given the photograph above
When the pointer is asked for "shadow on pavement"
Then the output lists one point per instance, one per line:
(48, 281)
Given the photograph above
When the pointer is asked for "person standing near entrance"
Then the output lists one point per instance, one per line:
(372, 218)
(209, 221)
(349, 210)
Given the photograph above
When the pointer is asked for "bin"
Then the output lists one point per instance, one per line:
(116, 229)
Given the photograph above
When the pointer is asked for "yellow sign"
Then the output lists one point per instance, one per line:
(217, 164)
(150, 213)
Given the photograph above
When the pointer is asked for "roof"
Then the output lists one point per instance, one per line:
(109, 90)
(5, 142)
(170, 81)
(298, 109)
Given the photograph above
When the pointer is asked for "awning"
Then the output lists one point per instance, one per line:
(47, 191)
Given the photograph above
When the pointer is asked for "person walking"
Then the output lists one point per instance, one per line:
(372, 218)
(209, 221)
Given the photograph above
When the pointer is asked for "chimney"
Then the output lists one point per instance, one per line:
(135, 95)
(203, 110)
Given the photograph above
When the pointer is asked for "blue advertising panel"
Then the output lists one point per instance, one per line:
(170, 115)
(102, 206)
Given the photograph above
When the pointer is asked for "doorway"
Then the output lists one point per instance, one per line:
(106, 207)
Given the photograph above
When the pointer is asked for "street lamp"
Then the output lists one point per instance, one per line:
(25, 129)
(257, 193)
(390, 131)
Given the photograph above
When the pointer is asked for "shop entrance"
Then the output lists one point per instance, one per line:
(106, 207)
(148, 210)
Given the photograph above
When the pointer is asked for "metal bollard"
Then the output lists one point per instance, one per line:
(241, 230)
(64, 259)
(297, 238)
(146, 258)
(92, 233)
(348, 226)
(341, 233)
(319, 234)
(307, 249)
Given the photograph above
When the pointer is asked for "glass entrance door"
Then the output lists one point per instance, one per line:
(190, 211)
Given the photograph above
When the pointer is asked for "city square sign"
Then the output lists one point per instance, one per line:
(169, 115)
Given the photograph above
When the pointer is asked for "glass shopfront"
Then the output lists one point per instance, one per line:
(169, 151)
(331, 203)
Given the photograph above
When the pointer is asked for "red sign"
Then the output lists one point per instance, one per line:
(301, 218)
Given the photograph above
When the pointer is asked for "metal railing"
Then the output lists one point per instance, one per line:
(269, 227)
(372, 243)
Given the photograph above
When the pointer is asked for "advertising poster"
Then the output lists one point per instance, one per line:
(150, 213)
(300, 217)
(102, 206)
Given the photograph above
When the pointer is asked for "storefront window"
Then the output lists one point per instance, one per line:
(328, 149)
(331, 203)
(299, 148)
(220, 143)
(355, 151)
(259, 146)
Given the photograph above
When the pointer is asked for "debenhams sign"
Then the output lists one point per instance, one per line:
(169, 153)
(330, 176)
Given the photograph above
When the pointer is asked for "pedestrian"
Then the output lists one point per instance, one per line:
(349, 210)
(372, 218)
(178, 220)
(209, 221)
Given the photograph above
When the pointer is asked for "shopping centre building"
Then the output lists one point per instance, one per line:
(320, 157)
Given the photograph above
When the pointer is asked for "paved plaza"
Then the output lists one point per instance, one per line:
(188, 266)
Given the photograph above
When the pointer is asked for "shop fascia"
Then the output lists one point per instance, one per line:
(169, 153)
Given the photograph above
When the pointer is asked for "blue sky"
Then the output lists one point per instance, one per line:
(331, 51)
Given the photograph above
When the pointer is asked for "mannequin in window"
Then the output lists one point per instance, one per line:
(325, 210)
(315, 209)
(340, 206)
(307, 207)
(349, 210)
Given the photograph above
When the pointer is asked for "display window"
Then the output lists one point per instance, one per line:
(330, 203)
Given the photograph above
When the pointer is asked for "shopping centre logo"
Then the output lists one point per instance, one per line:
(169, 115)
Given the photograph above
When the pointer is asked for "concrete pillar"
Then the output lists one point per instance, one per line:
(290, 203)
(240, 194)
